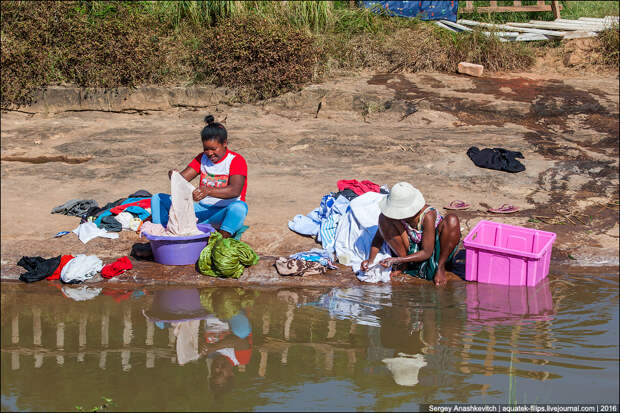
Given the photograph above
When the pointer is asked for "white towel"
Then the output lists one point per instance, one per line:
(89, 230)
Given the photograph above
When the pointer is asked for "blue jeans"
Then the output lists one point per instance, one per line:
(230, 218)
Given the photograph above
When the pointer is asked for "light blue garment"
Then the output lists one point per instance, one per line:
(230, 218)
(304, 225)
(316, 255)
(322, 222)
(330, 223)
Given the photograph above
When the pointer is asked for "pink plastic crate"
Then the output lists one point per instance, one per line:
(507, 254)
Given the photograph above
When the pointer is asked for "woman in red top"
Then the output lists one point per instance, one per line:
(220, 196)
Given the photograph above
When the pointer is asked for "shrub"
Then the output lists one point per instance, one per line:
(609, 41)
(260, 58)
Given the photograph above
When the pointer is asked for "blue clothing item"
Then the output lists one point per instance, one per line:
(304, 224)
(107, 212)
(329, 225)
(322, 222)
(323, 257)
(424, 10)
(138, 211)
(230, 217)
(240, 325)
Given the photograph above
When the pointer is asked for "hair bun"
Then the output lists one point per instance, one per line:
(209, 119)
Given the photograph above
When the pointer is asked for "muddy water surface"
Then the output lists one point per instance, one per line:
(371, 348)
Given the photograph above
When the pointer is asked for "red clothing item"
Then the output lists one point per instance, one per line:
(118, 296)
(116, 268)
(218, 174)
(143, 203)
(358, 187)
(63, 261)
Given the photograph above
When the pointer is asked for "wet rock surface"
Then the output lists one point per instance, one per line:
(382, 127)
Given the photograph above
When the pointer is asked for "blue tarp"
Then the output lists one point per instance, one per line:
(425, 10)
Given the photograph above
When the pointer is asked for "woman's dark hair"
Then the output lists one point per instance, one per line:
(213, 130)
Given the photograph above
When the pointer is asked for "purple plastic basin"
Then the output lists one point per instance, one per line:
(179, 250)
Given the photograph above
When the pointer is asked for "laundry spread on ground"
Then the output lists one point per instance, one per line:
(37, 268)
(497, 158)
(116, 268)
(296, 267)
(75, 207)
(346, 228)
(88, 231)
(81, 268)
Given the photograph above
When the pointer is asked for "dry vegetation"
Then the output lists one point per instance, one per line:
(260, 48)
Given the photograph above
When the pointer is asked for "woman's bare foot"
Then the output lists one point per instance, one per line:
(440, 277)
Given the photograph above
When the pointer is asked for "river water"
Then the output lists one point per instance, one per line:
(363, 348)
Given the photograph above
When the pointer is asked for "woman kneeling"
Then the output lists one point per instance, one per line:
(419, 237)
(220, 196)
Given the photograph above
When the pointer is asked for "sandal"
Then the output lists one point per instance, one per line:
(504, 209)
(457, 205)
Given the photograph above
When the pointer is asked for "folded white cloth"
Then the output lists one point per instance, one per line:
(89, 230)
(81, 268)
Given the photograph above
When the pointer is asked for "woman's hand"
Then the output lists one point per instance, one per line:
(388, 262)
(364, 265)
(199, 193)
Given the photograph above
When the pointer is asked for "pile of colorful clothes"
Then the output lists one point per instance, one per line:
(345, 224)
(123, 214)
(70, 269)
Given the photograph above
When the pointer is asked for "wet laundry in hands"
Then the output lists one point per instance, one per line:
(182, 218)
(225, 257)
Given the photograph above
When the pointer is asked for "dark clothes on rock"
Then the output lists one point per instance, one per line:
(497, 158)
(75, 207)
(37, 268)
(110, 224)
(347, 193)
(141, 194)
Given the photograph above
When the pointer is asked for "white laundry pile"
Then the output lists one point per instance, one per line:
(356, 230)
(89, 230)
(81, 268)
(181, 217)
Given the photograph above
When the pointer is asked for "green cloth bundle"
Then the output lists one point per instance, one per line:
(225, 257)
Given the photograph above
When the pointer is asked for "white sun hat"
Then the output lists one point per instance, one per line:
(404, 201)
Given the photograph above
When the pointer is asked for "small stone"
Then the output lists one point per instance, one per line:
(471, 69)
(298, 147)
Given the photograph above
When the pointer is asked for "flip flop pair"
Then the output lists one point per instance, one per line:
(454, 205)
(504, 209)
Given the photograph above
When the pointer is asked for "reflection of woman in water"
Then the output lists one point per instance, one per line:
(228, 334)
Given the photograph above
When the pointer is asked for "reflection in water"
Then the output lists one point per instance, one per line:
(243, 349)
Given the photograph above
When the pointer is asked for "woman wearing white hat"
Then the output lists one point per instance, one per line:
(418, 235)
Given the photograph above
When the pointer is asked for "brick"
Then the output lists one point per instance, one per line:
(470, 69)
